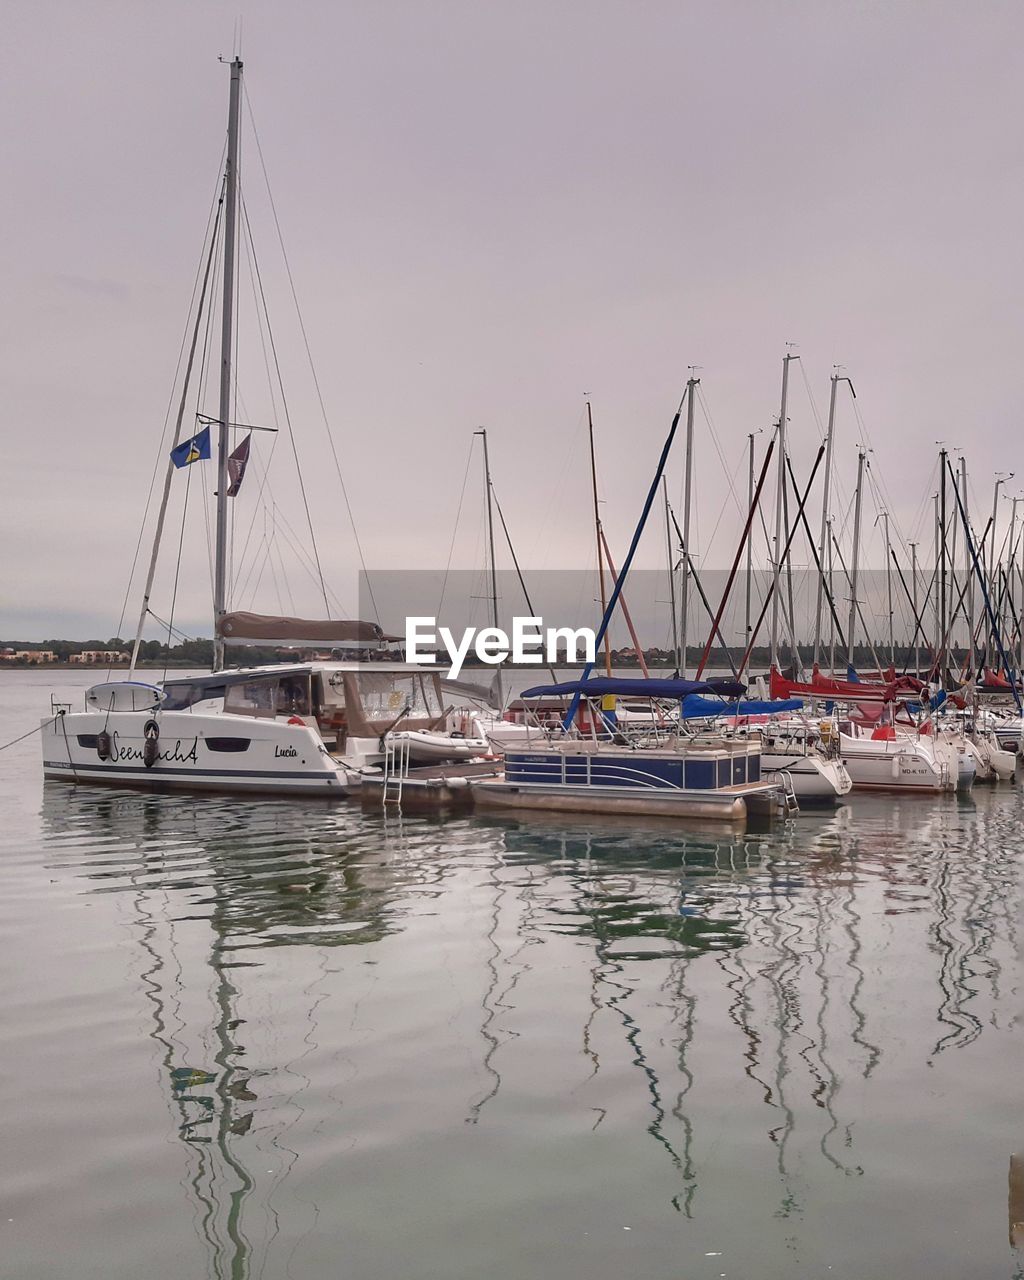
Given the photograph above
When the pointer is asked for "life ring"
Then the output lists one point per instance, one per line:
(104, 745)
(296, 720)
(151, 743)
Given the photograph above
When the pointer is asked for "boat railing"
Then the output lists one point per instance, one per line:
(560, 770)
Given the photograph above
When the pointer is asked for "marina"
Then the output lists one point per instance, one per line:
(236, 1009)
(483, 794)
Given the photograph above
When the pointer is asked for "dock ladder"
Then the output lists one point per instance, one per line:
(790, 803)
(396, 770)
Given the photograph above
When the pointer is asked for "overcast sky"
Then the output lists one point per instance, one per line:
(489, 211)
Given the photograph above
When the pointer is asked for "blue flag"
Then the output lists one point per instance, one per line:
(194, 450)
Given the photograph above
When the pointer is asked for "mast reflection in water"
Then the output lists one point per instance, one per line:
(388, 1036)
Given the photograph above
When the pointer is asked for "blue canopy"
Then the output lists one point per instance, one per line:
(698, 708)
(597, 687)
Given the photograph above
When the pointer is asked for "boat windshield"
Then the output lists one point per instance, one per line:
(182, 694)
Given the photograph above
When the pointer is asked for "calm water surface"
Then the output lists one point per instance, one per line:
(280, 1039)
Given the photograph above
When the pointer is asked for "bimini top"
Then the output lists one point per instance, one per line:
(697, 708)
(625, 687)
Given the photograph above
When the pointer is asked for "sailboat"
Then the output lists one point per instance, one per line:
(294, 729)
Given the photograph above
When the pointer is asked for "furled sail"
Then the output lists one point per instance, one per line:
(262, 629)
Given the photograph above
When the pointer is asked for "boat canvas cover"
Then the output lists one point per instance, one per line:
(821, 686)
(697, 708)
(626, 687)
(377, 702)
(260, 628)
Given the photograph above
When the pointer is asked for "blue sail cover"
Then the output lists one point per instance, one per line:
(597, 687)
(933, 704)
(698, 708)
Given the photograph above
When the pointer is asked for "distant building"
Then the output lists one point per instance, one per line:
(34, 657)
(98, 657)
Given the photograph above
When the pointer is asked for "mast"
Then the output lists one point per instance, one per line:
(888, 585)
(824, 516)
(913, 583)
(967, 570)
(1011, 554)
(935, 580)
(671, 575)
(941, 655)
(990, 646)
(780, 496)
(750, 541)
(856, 558)
(684, 600)
(597, 536)
(490, 543)
(223, 441)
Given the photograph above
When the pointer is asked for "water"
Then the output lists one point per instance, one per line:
(275, 1039)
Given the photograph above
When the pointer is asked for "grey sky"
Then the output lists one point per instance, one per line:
(490, 210)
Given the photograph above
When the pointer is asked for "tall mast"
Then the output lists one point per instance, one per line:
(917, 632)
(888, 586)
(671, 576)
(490, 543)
(824, 517)
(1010, 557)
(684, 599)
(993, 566)
(750, 540)
(223, 441)
(967, 568)
(935, 577)
(597, 535)
(780, 496)
(941, 656)
(856, 558)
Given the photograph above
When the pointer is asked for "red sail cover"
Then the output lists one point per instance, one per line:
(820, 686)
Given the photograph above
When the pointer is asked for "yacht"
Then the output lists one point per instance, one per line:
(307, 728)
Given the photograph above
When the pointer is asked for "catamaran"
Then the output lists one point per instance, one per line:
(296, 729)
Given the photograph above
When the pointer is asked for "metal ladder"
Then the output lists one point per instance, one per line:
(790, 803)
(396, 770)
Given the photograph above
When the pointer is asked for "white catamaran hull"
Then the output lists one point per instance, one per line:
(194, 752)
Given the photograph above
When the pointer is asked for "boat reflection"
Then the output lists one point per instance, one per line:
(713, 980)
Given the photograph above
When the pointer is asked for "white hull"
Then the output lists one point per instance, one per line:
(195, 752)
(895, 764)
(816, 779)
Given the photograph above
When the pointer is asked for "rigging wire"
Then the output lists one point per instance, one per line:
(455, 527)
(171, 397)
(309, 356)
(287, 415)
(177, 567)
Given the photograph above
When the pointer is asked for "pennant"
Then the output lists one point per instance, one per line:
(194, 450)
(237, 462)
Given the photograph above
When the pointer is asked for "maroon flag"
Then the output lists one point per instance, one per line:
(236, 465)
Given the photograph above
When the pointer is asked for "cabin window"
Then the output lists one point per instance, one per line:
(293, 696)
(753, 768)
(87, 740)
(253, 698)
(739, 769)
(228, 744)
(181, 694)
(724, 773)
